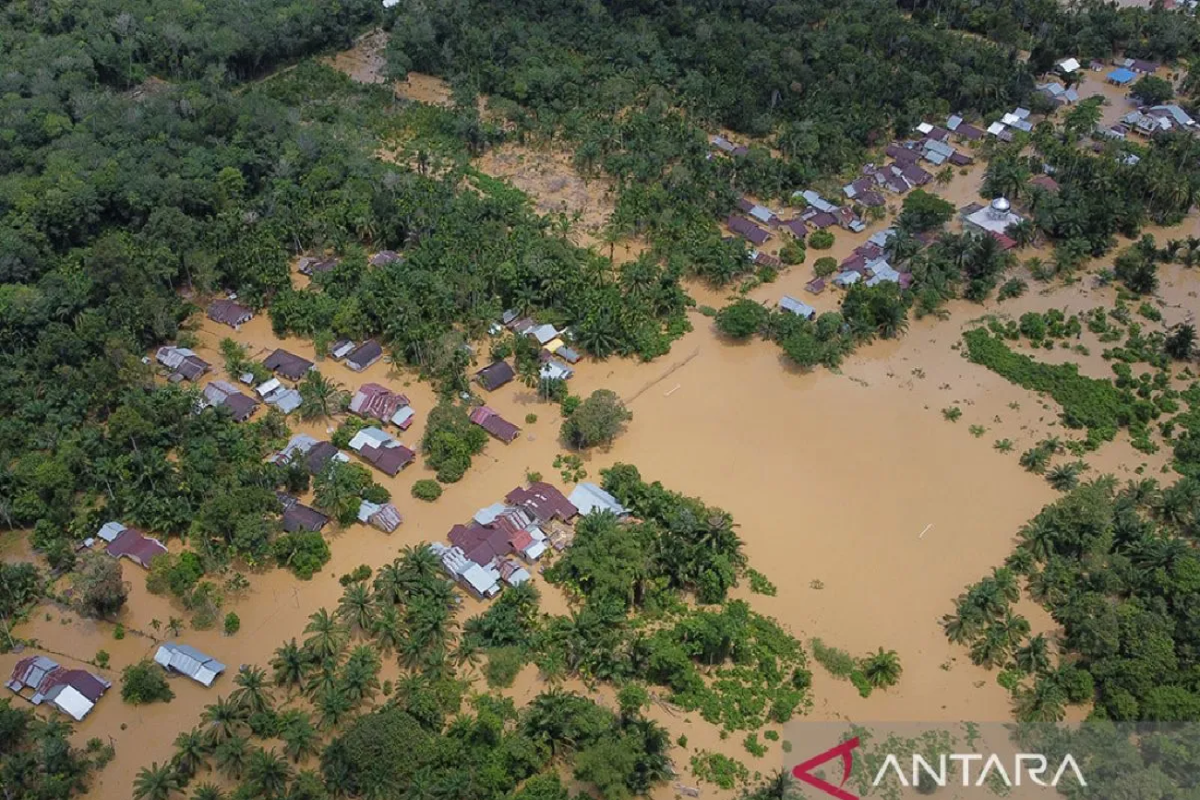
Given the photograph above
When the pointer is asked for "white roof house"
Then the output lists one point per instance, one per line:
(489, 514)
(110, 531)
(555, 370)
(482, 581)
(69, 700)
(762, 213)
(995, 128)
(373, 437)
(267, 388)
(797, 307)
(882, 271)
(848, 278)
(1068, 65)
(401, 417)
(588, 497)
(543, 333)
(181, 658)
(816, 201)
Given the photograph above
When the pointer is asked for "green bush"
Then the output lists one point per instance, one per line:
(502, 666)
(144, 682)
(427, 490)
(825, 266)
(741, 319)
(793, 252)
(820, 240)
(233, 624)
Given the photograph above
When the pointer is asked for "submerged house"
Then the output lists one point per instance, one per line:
(316, 454)
(375, 401)
(229, 312)
(495, 375)
(385, 517)
(189, 661)
(223, 394)
(381, 450)
(183, 363)
(74, 692)
(299, 517)
(494, 424)
(797, 307)
(747, 230)
(543, 501)
(589, 498)
(131, 543)
(364, 355)
(289, 365)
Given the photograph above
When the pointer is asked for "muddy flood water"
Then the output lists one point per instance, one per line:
(867, 509)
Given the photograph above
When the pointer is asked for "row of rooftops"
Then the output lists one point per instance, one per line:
(480, 553)
(75, 692)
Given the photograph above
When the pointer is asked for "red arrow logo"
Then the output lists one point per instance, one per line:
(845, 750)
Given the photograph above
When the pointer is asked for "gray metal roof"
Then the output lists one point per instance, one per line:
(189, 661)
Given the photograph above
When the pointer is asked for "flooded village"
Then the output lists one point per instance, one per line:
(853, 492)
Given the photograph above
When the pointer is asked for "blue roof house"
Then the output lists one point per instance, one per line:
(1122, 76)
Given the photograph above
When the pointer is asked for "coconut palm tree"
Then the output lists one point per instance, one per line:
(207, 791)
(320, 397)
(333, 704)
(252, 695)
(1064, 477)
(1044, 702)
(327, 637)
(191, 752)
(1034, 655)
(357, 607)
(222, 720)
(290, 664)
(387, 629)
(882, 669)
(389, 584)
(300, 738)
(267, 774)
(359, 677)
(155, 782)
(231, 755)
(779, 785)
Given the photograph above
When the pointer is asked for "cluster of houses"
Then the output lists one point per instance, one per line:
(1150, 121)
(381, 450)
(818, 214)
(555, 355)
(75, 692)
(504, 540)
(357, 357)
(1129, 70)
(1016, 120)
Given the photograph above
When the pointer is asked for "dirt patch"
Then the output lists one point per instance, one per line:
(365, 62)
(549, 177)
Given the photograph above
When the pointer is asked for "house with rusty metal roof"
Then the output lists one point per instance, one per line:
(40, 679)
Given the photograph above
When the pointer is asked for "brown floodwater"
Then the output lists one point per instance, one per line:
(866, 508)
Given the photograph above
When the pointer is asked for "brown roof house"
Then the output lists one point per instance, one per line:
(493, 376)
(385, 517)
(375, 401)
(364, 355)
(289, 365)
(299, 517)
(131, 543)
(74, 692)
(316, 455)
(494, 424)
(543, 501)
(747, 230)
(183, 363)
(381, 450)
(225, 395)
(229, 313)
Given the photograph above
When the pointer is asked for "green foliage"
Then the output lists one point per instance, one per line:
(952, 413)
(450, 441)
(753, 746)
(825, 266)
(99, 589)
(820, 240)
(20, 587)
(741, 319)
(726, 773)
(598, 420)
(427, 490)
(303, 552)
(503, 664)
(793, 252)
(233, 624)
(759, 584)
(923, 211)
(39, 761)
(1087, 403)
(837, 662)
(339, 489)
(145, 682)
(1152, 90)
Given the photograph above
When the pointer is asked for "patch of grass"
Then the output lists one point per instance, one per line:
(837, 662)
(760, 584)
(952, 413)
(715, 768)
(753, 746)
(977, 430)
(1003, 445)
(502, 666)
